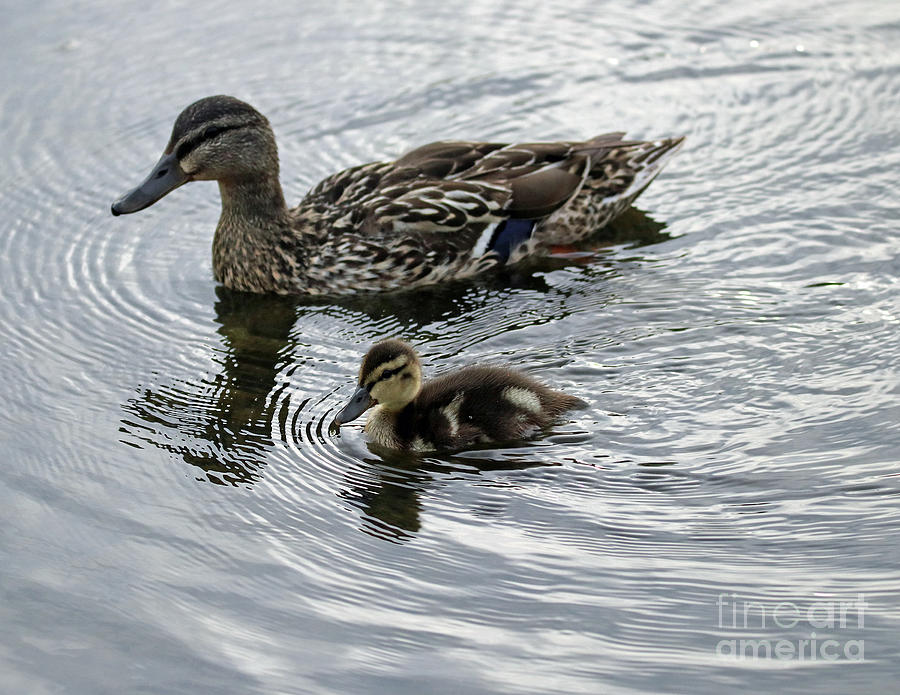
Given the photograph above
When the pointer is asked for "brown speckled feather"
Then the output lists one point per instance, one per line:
(433, 214)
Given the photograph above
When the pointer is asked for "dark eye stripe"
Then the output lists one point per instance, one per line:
(388, 373)
(185, 148)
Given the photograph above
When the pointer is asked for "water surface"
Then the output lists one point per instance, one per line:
(176, 517)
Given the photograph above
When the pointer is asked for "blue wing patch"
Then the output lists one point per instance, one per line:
(510, 234)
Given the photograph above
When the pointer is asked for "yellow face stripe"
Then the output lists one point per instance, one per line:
(376, 373)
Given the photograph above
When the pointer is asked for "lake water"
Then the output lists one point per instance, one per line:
(176, 517)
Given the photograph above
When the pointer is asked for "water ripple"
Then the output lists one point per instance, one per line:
(736, 344)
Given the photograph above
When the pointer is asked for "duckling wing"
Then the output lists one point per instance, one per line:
(483, 404)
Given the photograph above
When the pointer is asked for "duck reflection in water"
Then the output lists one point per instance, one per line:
(389, 492)
(223, 424)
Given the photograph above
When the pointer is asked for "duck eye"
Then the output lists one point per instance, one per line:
(212, 131)
(185, 148)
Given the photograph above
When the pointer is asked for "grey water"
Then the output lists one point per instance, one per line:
(725, 516)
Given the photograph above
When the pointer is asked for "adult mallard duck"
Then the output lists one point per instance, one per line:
(472, 405)
(446, 210)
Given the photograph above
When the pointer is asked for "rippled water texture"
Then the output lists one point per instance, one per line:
(176, 517)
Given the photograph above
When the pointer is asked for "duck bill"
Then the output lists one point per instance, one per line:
(359, 404)
(166, 176)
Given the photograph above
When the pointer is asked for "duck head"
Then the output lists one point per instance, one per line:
(217, 138)
(390, 376)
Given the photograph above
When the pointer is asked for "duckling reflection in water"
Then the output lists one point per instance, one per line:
(469, 406)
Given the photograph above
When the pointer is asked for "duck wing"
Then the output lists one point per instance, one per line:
(544, 176)
(541, 177)
(457, 185)
(450, 199)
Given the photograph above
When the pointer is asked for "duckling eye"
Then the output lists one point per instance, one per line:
(388, 373)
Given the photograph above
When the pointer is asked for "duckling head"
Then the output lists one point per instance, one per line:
(390, 376)
(216, 138)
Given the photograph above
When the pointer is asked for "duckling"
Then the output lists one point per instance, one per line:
(443, 211)
(472, 405)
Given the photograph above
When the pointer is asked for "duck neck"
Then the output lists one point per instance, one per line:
(256, 196)
(390, 427)
(248, 248)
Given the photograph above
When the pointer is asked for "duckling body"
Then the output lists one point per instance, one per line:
(443, 211)
(472, 405)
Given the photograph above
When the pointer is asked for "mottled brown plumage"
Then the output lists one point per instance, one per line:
(445, 210)
(463, 408)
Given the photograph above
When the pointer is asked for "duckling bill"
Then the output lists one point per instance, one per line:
(469, 406)
(440, 212)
